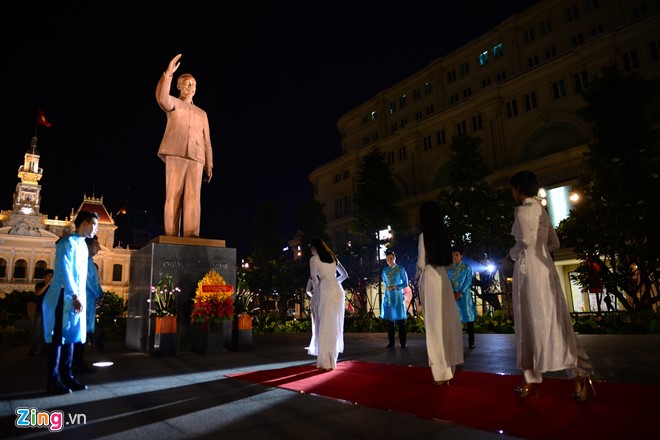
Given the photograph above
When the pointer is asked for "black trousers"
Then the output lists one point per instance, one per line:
(469, 326)
(60, 356)
(402, 331)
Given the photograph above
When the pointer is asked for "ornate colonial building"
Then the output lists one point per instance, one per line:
(516, 87)
(27, 237)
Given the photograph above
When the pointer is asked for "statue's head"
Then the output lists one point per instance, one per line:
(187, 85)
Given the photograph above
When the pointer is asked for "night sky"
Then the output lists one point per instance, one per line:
(273, 79)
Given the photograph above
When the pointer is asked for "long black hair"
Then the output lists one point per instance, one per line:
(436, 240)
(325, 254)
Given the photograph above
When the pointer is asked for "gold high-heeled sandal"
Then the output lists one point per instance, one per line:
(525, 389)
(440, 382)
(581, 393)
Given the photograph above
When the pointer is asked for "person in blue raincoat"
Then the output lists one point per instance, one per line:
(460, 275)
(64, 304)
(393, 307)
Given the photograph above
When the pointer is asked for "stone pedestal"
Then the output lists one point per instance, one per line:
(211, 338)
(215, 338)
(241, 335)
(165, 336)
(187, 260)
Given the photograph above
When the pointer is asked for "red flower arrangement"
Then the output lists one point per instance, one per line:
(213, 299)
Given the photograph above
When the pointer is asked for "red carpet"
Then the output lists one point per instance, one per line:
(481, 400)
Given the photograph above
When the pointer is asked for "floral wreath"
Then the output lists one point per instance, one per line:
(213, 299)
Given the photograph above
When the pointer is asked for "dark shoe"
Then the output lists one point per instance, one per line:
(32, 353)
(57, 387)
(74, 384)
(403, 345)
(390, 346)
(526, 389)
(471, 346)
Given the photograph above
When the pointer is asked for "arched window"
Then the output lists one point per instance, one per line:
(20, 269)
(116, 272)
(39, 269)
(3, 269)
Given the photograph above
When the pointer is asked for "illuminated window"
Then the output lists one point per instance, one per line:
(392, 107)
(427, 88)
(559, 204)
(483, 58)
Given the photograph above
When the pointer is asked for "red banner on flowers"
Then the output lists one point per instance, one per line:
(217, 288)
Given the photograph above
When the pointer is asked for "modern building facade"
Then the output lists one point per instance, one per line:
(27, 237)
(516, 87)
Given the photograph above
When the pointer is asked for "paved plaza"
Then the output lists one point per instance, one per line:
(189, 396)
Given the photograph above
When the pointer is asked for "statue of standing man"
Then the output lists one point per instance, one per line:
(186, 151)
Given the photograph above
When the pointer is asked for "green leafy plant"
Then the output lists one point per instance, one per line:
(163, 299)
(111, 323)
(245, 299)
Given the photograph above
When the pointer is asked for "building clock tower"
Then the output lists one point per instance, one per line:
(27, 197)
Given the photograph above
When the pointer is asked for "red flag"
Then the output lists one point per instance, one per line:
(41, 118)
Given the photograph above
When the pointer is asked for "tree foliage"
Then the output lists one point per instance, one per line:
(478, 215)
(466, 165)
(267, 242)
(313, 223)
(615, 223)
(376, 196)
(376, 208)
(282, 280)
